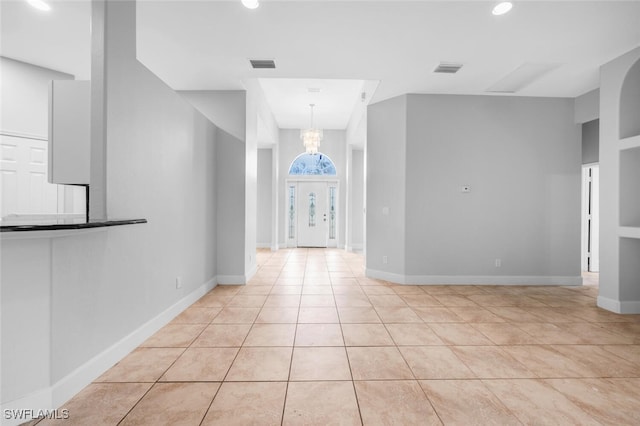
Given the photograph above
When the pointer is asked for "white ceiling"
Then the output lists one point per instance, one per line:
(206, 44)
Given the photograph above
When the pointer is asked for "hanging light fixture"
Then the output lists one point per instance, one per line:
(250, 4)
(311, 137)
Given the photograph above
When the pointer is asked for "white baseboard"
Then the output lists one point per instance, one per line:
(263, 245)
(232, 279)
(619, 307)
(60, 392)
(354, 247)
(474, 279)
(275, 247)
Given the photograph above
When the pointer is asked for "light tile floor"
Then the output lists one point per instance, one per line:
(312, 341)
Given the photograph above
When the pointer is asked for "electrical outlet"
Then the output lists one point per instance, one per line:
(385, 259)
(498, 263)
(178, 282)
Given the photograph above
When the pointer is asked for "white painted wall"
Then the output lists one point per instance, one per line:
(587, 106)
(225, 108)
(334, 146)
(386, 186)
(265, 198)
(25, 97)
(105, 286)
(618, 291)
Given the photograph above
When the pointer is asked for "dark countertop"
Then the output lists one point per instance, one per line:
(22, 225)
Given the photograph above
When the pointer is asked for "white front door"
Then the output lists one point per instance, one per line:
(312, 214)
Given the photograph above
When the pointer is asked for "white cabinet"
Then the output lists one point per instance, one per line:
(69, 131)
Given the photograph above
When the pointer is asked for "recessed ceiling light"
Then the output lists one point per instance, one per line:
(39, 4)
(250, 4)
(502, 8)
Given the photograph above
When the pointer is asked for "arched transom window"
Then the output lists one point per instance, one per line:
(312, 164)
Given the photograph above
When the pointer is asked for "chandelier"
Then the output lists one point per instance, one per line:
(311, 137)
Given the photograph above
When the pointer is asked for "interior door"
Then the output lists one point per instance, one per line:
(312, 214)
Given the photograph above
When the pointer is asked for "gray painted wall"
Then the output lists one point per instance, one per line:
(521, 157)
(587, 106)
(357, 198)
(591, 142)
(386, 185)
(265, 194)
(522, 160)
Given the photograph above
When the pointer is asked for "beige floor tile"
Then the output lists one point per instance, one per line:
(288, 281)
(405, 290)
(235, 315)
(174, 336)
(195, 315)
(256, 290)
(554, 315)
(318, 315)
(247, 403)
(549, 334)
(319, 335)
(629, 330)
(352, 300)
(201, 365)
(225, 290)
(347, 290)
(630, 353)
(545, 362)
(413, 335)
(173, 404)
(344, 281)
(286, 290)
(387, 301)
(317, 300)
(378, 363)
(610, 401)
(397, 314)
(598, 361)
(491, 362)
(515, 314)
(271, 335)
(535, 402)
(378, 290)
(361, 315)
(505, 334)
(366, 335)
(277, 316)
(437, 314)
(222, 335)
(595, 333)
(320, 363)
(317, 403)
(101, 404)
(247, 301)
(416, 300)
(459, 334)
(260, 364)
(142, 365)
(282, 301)
(449, 300)
(394, 403)
(471, 314)
(317, 290)
(466, 402)
(213, 300)
(435, 362)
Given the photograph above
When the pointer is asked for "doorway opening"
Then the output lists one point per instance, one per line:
(591, 218)
(312, 212)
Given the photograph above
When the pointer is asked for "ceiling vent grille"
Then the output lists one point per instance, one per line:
(262, 63)
(447, 68)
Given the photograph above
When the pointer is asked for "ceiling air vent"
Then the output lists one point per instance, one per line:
(262, 63)
(448, 68)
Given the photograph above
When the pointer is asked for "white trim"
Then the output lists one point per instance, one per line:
(474, 279)
(619, 307)
(354, 247)
(24, 135)
(60, 392)
(275, 247)
(251, 273)
(263, 245)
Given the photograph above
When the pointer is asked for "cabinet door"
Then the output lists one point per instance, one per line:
(69, 131)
